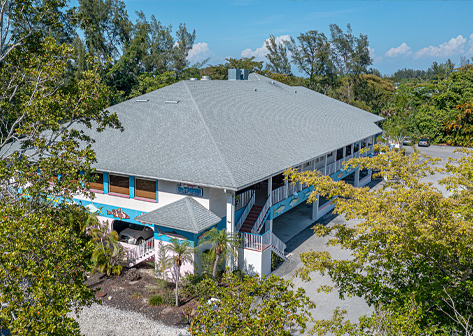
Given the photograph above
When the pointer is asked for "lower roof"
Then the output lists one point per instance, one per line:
(185, 214)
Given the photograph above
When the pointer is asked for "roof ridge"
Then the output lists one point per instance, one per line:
(191, 212)
(227, 169)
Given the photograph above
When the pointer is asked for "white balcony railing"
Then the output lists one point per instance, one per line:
(260, 243)
(242, 199)
(245, 213)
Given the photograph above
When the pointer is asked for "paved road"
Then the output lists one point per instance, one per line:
(306, 241)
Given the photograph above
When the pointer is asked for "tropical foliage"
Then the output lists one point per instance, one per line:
(107, 255)
(222, 244)
(413, 244)
(251, 306)
(181, 253)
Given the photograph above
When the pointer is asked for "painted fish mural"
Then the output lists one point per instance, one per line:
(93, 209)
(307, 194)
(202, 234)
(294, 201)
(118, 213)
(280, 209)
(174, 234)
(160, 232)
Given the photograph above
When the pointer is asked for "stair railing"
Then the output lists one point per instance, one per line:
(245, 213)
(277, 244)
(140, 251)
(262, 215)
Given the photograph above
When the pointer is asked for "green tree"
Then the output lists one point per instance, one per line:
(351, 56)
(312, 56)
(181, 253)
(106, 26)
(412, 244)
(45, 159)
(107, 253)
(222, 244)
(278, 60)
(253, 306)
(44, 257)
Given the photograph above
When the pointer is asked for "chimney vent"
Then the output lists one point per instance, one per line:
(238, 74)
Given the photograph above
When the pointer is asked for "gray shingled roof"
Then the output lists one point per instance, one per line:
(185, 214)
(227, 134)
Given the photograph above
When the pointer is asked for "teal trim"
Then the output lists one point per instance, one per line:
(160, 234)
(238, 214)
(105, 183)
(132, 186)
(157, 194)
(342, 174)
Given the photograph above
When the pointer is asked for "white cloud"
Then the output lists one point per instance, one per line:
(261, 52)
(455, 46)
(403, 49)
(373, 55)
(199, 52)
(470, 44)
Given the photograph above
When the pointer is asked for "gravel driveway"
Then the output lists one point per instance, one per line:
(101, 320)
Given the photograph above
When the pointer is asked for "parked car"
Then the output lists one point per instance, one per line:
(424, 142)
(407, 141)
(136, 234)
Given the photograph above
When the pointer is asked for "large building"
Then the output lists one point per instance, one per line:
(205, 153)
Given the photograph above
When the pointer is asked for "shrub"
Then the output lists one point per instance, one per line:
(156, 300)
(192, 286)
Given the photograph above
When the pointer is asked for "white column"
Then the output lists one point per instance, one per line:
(230, 225)
(270, 193)
(325, 164)
(230, 213)
(356, 180)
(315, 208)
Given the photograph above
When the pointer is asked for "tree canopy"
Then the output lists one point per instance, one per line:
(412, 243)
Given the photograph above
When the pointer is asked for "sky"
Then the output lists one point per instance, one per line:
(402, 34)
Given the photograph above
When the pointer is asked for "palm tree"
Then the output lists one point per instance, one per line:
(182, 252)
(221, 242)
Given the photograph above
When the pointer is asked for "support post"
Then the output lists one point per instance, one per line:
(315, 208)
(356, 180)
(230, 227)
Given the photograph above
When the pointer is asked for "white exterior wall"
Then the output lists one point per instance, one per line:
(167, 193)
(250, 261)
(218, 202)
(254, 262)
(121, 202)
(185, 268)
(266, 262)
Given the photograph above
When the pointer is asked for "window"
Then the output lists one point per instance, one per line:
(330, 154)
(145, 188)
(119, 184)
(339, 154)
(98, 182)
(347, 150)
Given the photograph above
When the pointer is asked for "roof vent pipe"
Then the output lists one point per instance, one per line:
(205, 78)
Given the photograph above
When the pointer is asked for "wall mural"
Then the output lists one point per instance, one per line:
(290, 202)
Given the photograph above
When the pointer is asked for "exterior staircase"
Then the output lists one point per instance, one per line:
(140, 253)
(251, 218)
